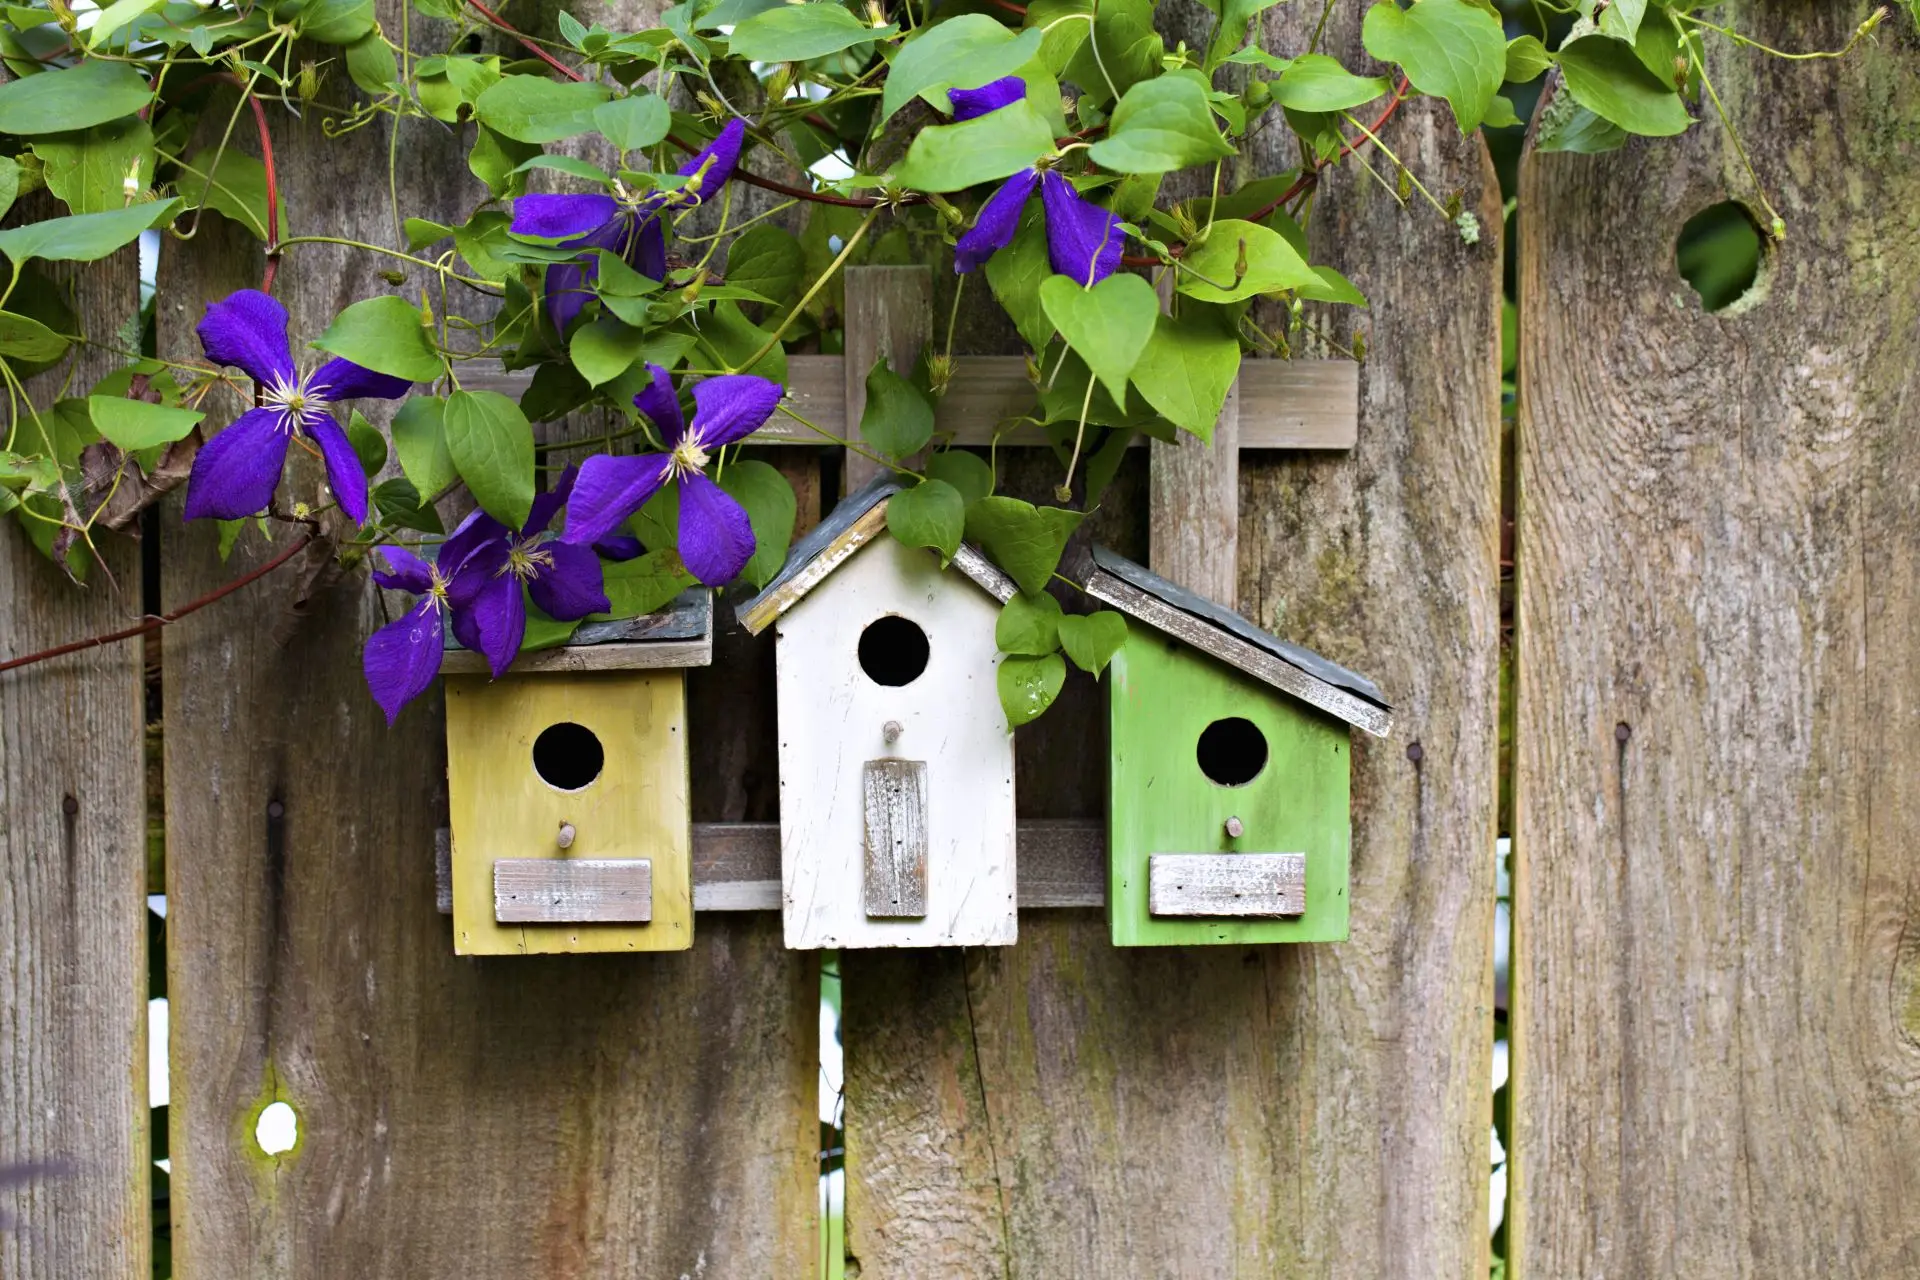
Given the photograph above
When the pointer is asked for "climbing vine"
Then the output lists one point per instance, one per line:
(1026, 147)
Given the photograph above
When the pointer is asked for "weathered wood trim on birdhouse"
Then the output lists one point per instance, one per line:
(1237, 642)
(679, 635)
(1227, 884)
(859, 519)
(895, 793)
(577, 891)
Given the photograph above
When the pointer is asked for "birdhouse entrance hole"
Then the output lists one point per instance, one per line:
(1232, 752)
(893, 651)
(568, 756)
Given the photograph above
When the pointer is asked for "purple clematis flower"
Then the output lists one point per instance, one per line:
(494, 563)
(716, 538)
(235, 473)
(403, 657)
(1083, 240)
(632, 230)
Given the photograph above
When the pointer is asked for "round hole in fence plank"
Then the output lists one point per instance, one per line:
(278, 1129)
(1722, 253)
(568, 756)
(893, 651)
(1232, 752)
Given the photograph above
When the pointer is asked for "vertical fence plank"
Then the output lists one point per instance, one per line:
(1065, 1109)
(73, 939)
(888, 314)
(554, 1117)
(1717, 987)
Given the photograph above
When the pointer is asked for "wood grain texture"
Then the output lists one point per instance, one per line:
(833, 720)
(573, 890)
(1717, 983)
(1227, 884)
(1193, 503)
(73, 946)
(567, 1117)
(1283, 404)
(888, 315)
(1332, 1109)
(896, 822)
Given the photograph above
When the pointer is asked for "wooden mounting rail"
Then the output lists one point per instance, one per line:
(1283, 404)
(736, 865)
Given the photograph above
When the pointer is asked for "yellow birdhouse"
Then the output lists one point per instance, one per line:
(568, 793)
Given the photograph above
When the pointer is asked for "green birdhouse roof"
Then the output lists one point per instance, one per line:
(1217, 630)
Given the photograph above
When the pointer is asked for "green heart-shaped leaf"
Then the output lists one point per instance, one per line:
(1091, 639)
(932, 514)
(1028, 686)
(1029, 624)
(1021, 538)
(1109, 325)
(1449, 48)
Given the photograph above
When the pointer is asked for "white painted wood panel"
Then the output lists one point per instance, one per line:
(833, 719)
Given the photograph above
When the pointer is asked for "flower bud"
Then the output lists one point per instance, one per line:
(309, 82)
(939, 374)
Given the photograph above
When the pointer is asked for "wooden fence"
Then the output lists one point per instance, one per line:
(1717, 987)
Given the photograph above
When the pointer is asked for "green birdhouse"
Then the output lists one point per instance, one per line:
(1228, 799)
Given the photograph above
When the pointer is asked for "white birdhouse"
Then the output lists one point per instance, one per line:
(896, 762)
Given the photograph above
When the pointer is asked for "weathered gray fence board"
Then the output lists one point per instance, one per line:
(565, 1117)
(73, 934)
(1717, 988)
(1064, 1109)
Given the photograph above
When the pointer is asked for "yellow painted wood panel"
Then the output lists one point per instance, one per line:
(637, 807)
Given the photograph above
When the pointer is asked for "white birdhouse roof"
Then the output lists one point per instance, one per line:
(859, 519)
(1217, 630)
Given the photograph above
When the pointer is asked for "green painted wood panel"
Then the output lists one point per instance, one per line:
(1164, 695)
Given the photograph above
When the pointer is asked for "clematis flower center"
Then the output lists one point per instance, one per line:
(688, 457)
(293, 398)
(527, 560)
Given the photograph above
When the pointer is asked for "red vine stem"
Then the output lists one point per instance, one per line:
(154, 623)
(273, 198)
(1300, 184)
(529, 45)
(266, 162)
